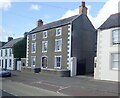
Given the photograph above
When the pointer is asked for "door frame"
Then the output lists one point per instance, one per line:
(41, 61)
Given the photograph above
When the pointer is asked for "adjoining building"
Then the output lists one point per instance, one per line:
(6, 54)
(107, 62)
(64, 47)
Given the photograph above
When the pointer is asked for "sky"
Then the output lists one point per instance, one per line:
(20, 16)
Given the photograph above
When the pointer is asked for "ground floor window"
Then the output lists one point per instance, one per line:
(2, 63)
(10, 62)
(5, 63)
(33, 61)
(44, 62)
(115, 61)
(57, 61)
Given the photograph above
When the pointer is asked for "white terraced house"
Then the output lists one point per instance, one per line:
(6, 54)
(107, 63)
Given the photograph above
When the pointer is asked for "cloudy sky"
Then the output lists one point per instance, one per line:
(19, 16)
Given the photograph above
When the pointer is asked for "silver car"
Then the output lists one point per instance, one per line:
(5, 73)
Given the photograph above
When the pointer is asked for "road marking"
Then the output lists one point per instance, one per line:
(58, 91)
(10, 93)
(59, 87)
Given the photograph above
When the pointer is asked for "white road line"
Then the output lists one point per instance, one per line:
(58, 91)
(10, 93)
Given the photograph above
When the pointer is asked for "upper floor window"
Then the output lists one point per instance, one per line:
(33, 36)
(116, 36)
(33, 47)
(115, 61)
(45, 34)
(44, 46)
(58, 32)
(5, 52)
(58, 45)
(10, 52)
(1, 53)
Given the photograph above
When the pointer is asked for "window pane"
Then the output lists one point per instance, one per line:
(115, 57)
(116, 36)
(116, 61)
(33, 36)
(58, 45)
(33, 47)
(58, 61)
(44, 46)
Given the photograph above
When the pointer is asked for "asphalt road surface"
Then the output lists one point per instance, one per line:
(11, 88)
(53, 85)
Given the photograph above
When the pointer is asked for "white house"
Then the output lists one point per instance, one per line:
(6, 55)
(107, 62)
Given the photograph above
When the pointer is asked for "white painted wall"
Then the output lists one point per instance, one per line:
(103, 70)
(7, 57)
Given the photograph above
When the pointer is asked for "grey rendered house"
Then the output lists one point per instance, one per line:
(63, 46)
(7, 59)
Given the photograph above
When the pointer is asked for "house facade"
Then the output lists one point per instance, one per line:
(53, 47)
(6, 54)
(107, 65)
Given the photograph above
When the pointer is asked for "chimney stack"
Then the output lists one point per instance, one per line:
(83, 8)
(39, 23)
(25, 34)
(10, 38)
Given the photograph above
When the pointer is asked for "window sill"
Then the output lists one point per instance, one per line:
(57, 50)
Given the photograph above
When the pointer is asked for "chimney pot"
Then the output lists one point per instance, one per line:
(39, 23)
(10, 38)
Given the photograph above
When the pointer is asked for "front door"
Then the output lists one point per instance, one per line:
(44, 62)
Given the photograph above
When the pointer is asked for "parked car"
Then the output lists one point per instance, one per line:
(5, 73)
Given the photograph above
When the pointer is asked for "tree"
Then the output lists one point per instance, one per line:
(19, 49)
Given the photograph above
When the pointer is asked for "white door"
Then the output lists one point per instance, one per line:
(18, 65)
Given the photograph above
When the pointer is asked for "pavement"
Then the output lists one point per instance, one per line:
(73, 86)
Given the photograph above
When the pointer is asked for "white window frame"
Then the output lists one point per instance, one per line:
(113, 32)
(112, 61)
(55, 65)
(57, 31)
(45, 34)
(56, 46)
(34, 36)
(41, 62)
(43, 49)
(32, 47)
(32, 58)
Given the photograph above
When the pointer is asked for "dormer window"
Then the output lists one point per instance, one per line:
(58, 32)
(45, 34)
(116, 36)
(33, 36)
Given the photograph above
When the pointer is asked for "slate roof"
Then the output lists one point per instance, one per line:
(111, 22)
(54, 24)
(11, 43)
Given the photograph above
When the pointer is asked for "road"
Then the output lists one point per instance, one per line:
(19, 89)
(73, 86)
